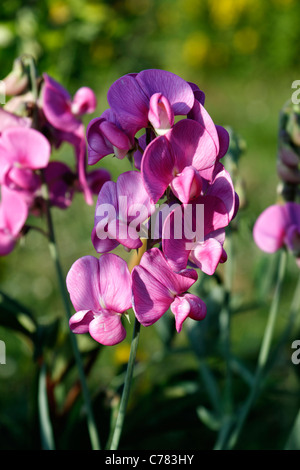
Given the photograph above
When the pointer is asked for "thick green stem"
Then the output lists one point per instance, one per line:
(95, 443)
(263, 354)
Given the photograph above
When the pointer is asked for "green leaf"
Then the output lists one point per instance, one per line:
(45, 422)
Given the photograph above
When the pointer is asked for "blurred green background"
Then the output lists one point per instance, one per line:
(244, 54)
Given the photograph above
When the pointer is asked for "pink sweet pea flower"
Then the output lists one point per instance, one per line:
(100, 291)
(22, 151)
(130, 98)
(121, 208)
(13, 215)
(156, 288)
(278, 226)
(60, 109)
(105, 136)
(187, 144)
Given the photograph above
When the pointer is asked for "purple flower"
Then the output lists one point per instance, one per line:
(100, 291)
(278, 226)
(13, 215)
(122, 207)
(22, 151)
(61, 111)
(105, 136)
(156, 288)
(130, 97)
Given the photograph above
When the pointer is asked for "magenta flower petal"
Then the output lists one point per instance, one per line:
(105, 136)
(207, 255)
(155, 285)
(129, 102)
(107, 329)
(188, 305)
(13, 215)
(223, 188)
(19, 178)
(56, 103)
(83, 284)
(157, 167)
(122, 207)
(192, 144)
(97, 178)
(269, 229)
(115, 283)
(84, 101)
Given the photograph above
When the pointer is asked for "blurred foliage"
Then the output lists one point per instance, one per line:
(244, 54)
(83, 41)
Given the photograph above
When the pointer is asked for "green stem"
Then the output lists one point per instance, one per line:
(125, 395)
(263, 354)
(62, 285)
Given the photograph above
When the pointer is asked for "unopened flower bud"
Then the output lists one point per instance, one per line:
(16, 82)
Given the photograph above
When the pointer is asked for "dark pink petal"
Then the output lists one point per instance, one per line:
(115, 283)
(160, 114)
(269, 229)
(151, 299)
(155, 285)
(178, 92)
(107, 329)
(98, 146)
(199, 94)
(13, 211)
(56, 104)
(80, 321)
(187, 184)
(7, 243)
(105, 244)
(189, 225)
(192, 145)
(224, 140)
(157, 167)
(19, 178)
(200, 115)
(119, 141)
(129, 102)
(59, 179)
(27, 148)
(207, 255)
(222, 187)
(174, 242)
(131, 191)
(83, 284)
(188, 305)
(84, 101)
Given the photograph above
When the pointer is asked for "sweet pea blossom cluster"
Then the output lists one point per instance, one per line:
(39, 117)
(174, 205)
